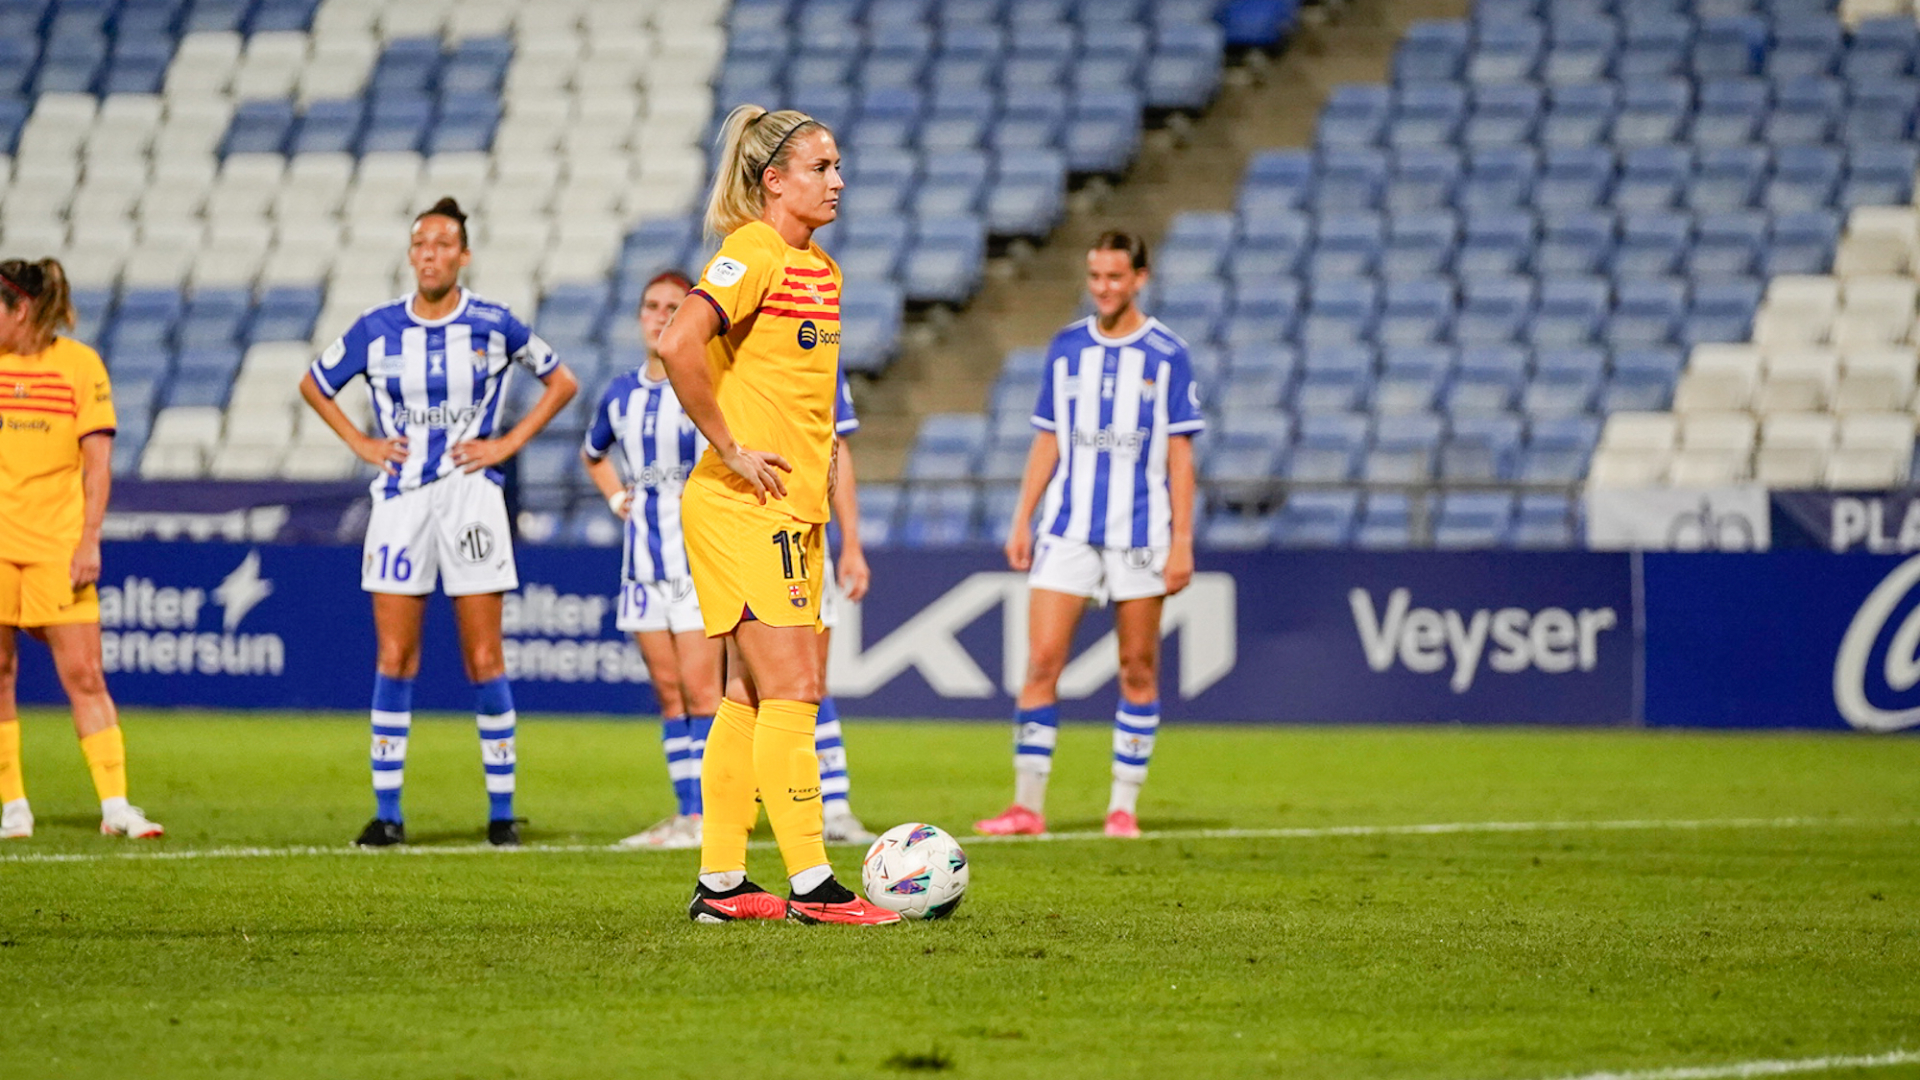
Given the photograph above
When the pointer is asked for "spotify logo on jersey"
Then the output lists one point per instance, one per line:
(811, 335)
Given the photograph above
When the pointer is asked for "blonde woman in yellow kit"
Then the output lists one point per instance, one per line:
(56, 459)
(753, 354)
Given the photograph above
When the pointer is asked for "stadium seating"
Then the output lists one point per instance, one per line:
(1558, 222)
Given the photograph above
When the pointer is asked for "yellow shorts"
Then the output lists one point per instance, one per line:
(751, 562)
(42, 594)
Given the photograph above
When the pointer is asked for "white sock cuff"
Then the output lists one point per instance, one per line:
(502, 722)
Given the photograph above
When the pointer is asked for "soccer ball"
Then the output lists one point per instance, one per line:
(917, 870)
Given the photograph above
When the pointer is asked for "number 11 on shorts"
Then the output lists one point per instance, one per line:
(792, 544)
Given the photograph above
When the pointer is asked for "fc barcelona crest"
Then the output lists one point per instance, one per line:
(797, 594)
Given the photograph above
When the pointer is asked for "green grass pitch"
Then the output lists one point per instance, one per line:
(1458, 955)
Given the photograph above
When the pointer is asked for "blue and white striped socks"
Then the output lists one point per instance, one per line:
(832, 751)
(1035, 732)
(676, 737)
(392, 721)
(1134, 727)
(494, 713)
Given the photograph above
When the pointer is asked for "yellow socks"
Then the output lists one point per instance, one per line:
(727, 789)
(13, 784)
(107, 759)
(789, 773)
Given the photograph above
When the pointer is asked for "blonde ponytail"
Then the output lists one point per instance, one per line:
(751, 141)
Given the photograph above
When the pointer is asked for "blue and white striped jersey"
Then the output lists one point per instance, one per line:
(844, 420)
(1112, 404)
(435, 384)
(659, 445)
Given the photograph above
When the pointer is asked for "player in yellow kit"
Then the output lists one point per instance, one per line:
(56, 458)
(753, 354)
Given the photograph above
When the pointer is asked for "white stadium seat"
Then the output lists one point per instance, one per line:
(1798, 379)
(1718, 377)
(1876, 380)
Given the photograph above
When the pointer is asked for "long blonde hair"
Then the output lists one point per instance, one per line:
(751, 141)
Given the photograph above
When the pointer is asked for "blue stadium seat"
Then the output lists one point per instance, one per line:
(1801, 242)
(1729, 46)
(216, 15)
(1566, 382)
(1727, 178)
(1646, 311)
(285, 313)
(1350, 179)
(1806, 110)
(1879, 175)
(1498, 178)
(1481, 448)
(1347, 244)
(1405, 450)
(1340, 311)
(1581, 50)
(1426, 114)
(1195, 246)
(1579, 114)
(407, 65)
(281, 15)
(198, 390)
(1267, 298)
(948, 256)
(1112, 55)
(1276, 180)
(90, 309)
(1495, 242)
(1185, 68)
(1504, 114)
(832, 103)
(397, 121)
(1652, 111)
(1227, 530)
(870, 318)
(1881, 110)
(464, 122)
(889, 116)
(137, 64)
(1559, 447)
(213, 317)
(1194, 308)
(1730, 112)
(1543, 521)
(477, 64)
(1655, 45)
(956, 183)
(958, 119)
(1573, 178)
(1422, 178)
(1104, 131)
(1432, 49)
(151, 363)
(1317, 519)
(1411, 378)
(17, 58)
(573, 313)
(1726, 244)
(1571, 311)
(1507, 51)
(1879, 49)
(1386, 522)
(1420, 244)
(1642, 379)
(1722, 310)
(1415, 311)
(327, 127)
(900, 54)
(1028, 196)
(1328, 447)
(1333, 380)
(1260, 429)
(1804, 45)
(1486, 379)
(938, 515)
(209, 361)
(259, 127)
(1804, 178)
(1271, 245)
(1651, 244)
(1651, 178)
(1254, 388)
(1492, 309)
(69, 64)
(1354, 116)
(1473, 519)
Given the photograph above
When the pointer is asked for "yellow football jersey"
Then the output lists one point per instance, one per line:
(48, 402)
(775, 362)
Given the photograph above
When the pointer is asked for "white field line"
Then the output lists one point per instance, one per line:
(1332, 831)
(1741, 1069)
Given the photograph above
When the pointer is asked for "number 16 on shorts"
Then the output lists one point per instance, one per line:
(388, 563)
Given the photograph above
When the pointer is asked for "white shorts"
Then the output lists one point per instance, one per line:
(1080, 569)
(647, 606)
(830, 595)
(452, 532)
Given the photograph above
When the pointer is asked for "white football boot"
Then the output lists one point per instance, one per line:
(16, 820)
(841, 827)
(672, 834)
(129, 821)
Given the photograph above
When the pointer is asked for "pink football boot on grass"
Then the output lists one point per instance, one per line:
(1017, 820)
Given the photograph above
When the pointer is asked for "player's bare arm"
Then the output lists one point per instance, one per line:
(855, 576)
(96, 482)
(476, 454)
(1041, 460)
(1180, 485)
(683, 348)
(387, 455)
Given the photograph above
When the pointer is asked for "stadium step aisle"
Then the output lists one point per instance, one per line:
(1572, 242)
